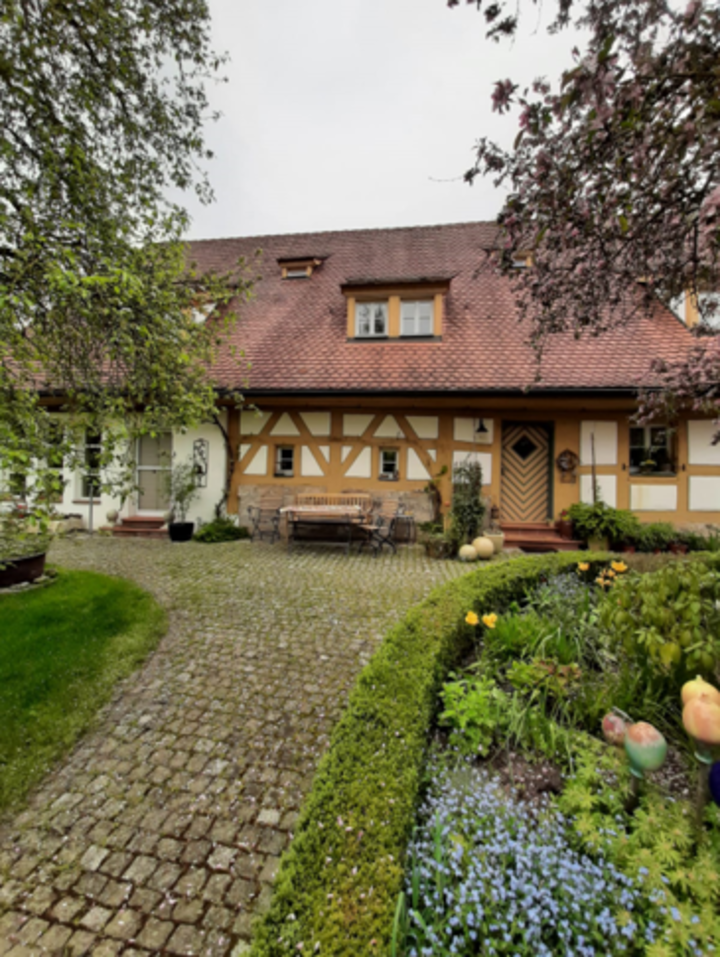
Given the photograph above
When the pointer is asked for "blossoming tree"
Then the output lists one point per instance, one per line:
(614, 179)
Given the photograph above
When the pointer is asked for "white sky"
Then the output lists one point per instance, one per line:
(342, 114)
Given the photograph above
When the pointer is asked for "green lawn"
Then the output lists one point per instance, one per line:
(62, 649)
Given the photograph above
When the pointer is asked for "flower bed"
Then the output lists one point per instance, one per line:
(545, 673)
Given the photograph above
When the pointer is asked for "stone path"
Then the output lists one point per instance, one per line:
(161, 832)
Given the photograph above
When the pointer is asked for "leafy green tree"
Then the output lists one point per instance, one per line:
(101, 112)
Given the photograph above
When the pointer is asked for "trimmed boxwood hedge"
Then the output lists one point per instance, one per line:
(338, 883)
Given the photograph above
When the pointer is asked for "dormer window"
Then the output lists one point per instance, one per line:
(299, 268)
(371, 319)
(395, 309)
(416, 317)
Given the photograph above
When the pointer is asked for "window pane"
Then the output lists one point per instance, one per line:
(155, 449)
(425, 325)
(637, 438)
(658, 437)
(379, 316)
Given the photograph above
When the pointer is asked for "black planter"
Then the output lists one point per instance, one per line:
(20, 570)
(181, 531)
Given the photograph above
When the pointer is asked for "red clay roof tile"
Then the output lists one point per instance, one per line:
(294, 332)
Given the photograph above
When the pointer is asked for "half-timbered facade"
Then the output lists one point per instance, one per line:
(380, 359)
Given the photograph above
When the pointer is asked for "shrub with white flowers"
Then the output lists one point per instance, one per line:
(490, 875)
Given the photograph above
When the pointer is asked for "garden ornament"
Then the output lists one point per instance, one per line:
(614, 726)
(701, 718)
(467, 553)
(484, 547)
(646, 748)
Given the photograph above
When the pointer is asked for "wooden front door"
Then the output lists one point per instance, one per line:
(525, 491)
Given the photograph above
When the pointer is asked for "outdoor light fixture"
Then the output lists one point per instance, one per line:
(481, 427)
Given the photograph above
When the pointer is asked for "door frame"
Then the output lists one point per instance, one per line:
(542, 423)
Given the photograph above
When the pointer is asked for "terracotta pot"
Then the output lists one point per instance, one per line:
(564, 528)
(21, 570)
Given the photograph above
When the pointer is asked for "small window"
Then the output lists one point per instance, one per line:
(284, 460)
(650, 449)
(417, 318)
(389, 464)
(296, 273)
(371, 319)
(90, 487)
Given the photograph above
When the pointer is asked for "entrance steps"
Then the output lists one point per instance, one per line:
(140, 526)
(536, 537)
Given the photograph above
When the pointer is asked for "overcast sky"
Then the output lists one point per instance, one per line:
(341, 114)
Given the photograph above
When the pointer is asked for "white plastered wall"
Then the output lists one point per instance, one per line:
(203, 507)
(607, 486)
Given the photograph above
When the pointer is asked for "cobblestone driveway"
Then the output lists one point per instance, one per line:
(162, 831)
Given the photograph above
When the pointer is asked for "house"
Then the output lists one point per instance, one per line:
(381, 358)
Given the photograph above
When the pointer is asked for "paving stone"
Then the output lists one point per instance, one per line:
(185, 940)
(40, 900)
(164, 877)
(114, 894)
(96, 918)
(93, 858)
(222, 858)
(145, 900)
(203, 759)
(80, 943)
(188, 911)
(55, 938)
(108, 948)
(140, 869)
(155, 933)
(67, 908)
(124, 925)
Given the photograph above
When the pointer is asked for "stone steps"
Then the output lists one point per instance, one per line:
(536, 537)
(140, 526)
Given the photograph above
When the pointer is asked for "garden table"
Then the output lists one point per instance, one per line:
(326, 523)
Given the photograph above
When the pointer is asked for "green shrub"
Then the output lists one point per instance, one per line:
(341, 877)
(467, 512)
(657, 536)
(221, 530)
(667, 624)
(602, 521)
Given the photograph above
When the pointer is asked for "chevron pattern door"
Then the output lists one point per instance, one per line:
(525, 492)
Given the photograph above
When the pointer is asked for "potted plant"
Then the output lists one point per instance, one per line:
(23, 546)
(648, 463)
(181, 488)
(564, 525)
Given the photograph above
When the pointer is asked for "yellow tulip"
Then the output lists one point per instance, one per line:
(619, 567)
(489, 620)
(583, 566)
(471, 618)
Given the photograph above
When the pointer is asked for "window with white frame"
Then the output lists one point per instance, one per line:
(651, 449)
(371, 319)
(154, 467)
(416, 317)
(389, 464)
(90, 482)
(284, 460)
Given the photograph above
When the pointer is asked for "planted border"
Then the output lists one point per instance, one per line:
(337, 886)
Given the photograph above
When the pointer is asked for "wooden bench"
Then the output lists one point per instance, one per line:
(332, 517)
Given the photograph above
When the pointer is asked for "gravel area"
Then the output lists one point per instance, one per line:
(162, 830)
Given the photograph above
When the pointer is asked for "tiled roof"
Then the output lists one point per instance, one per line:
(294, 332)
